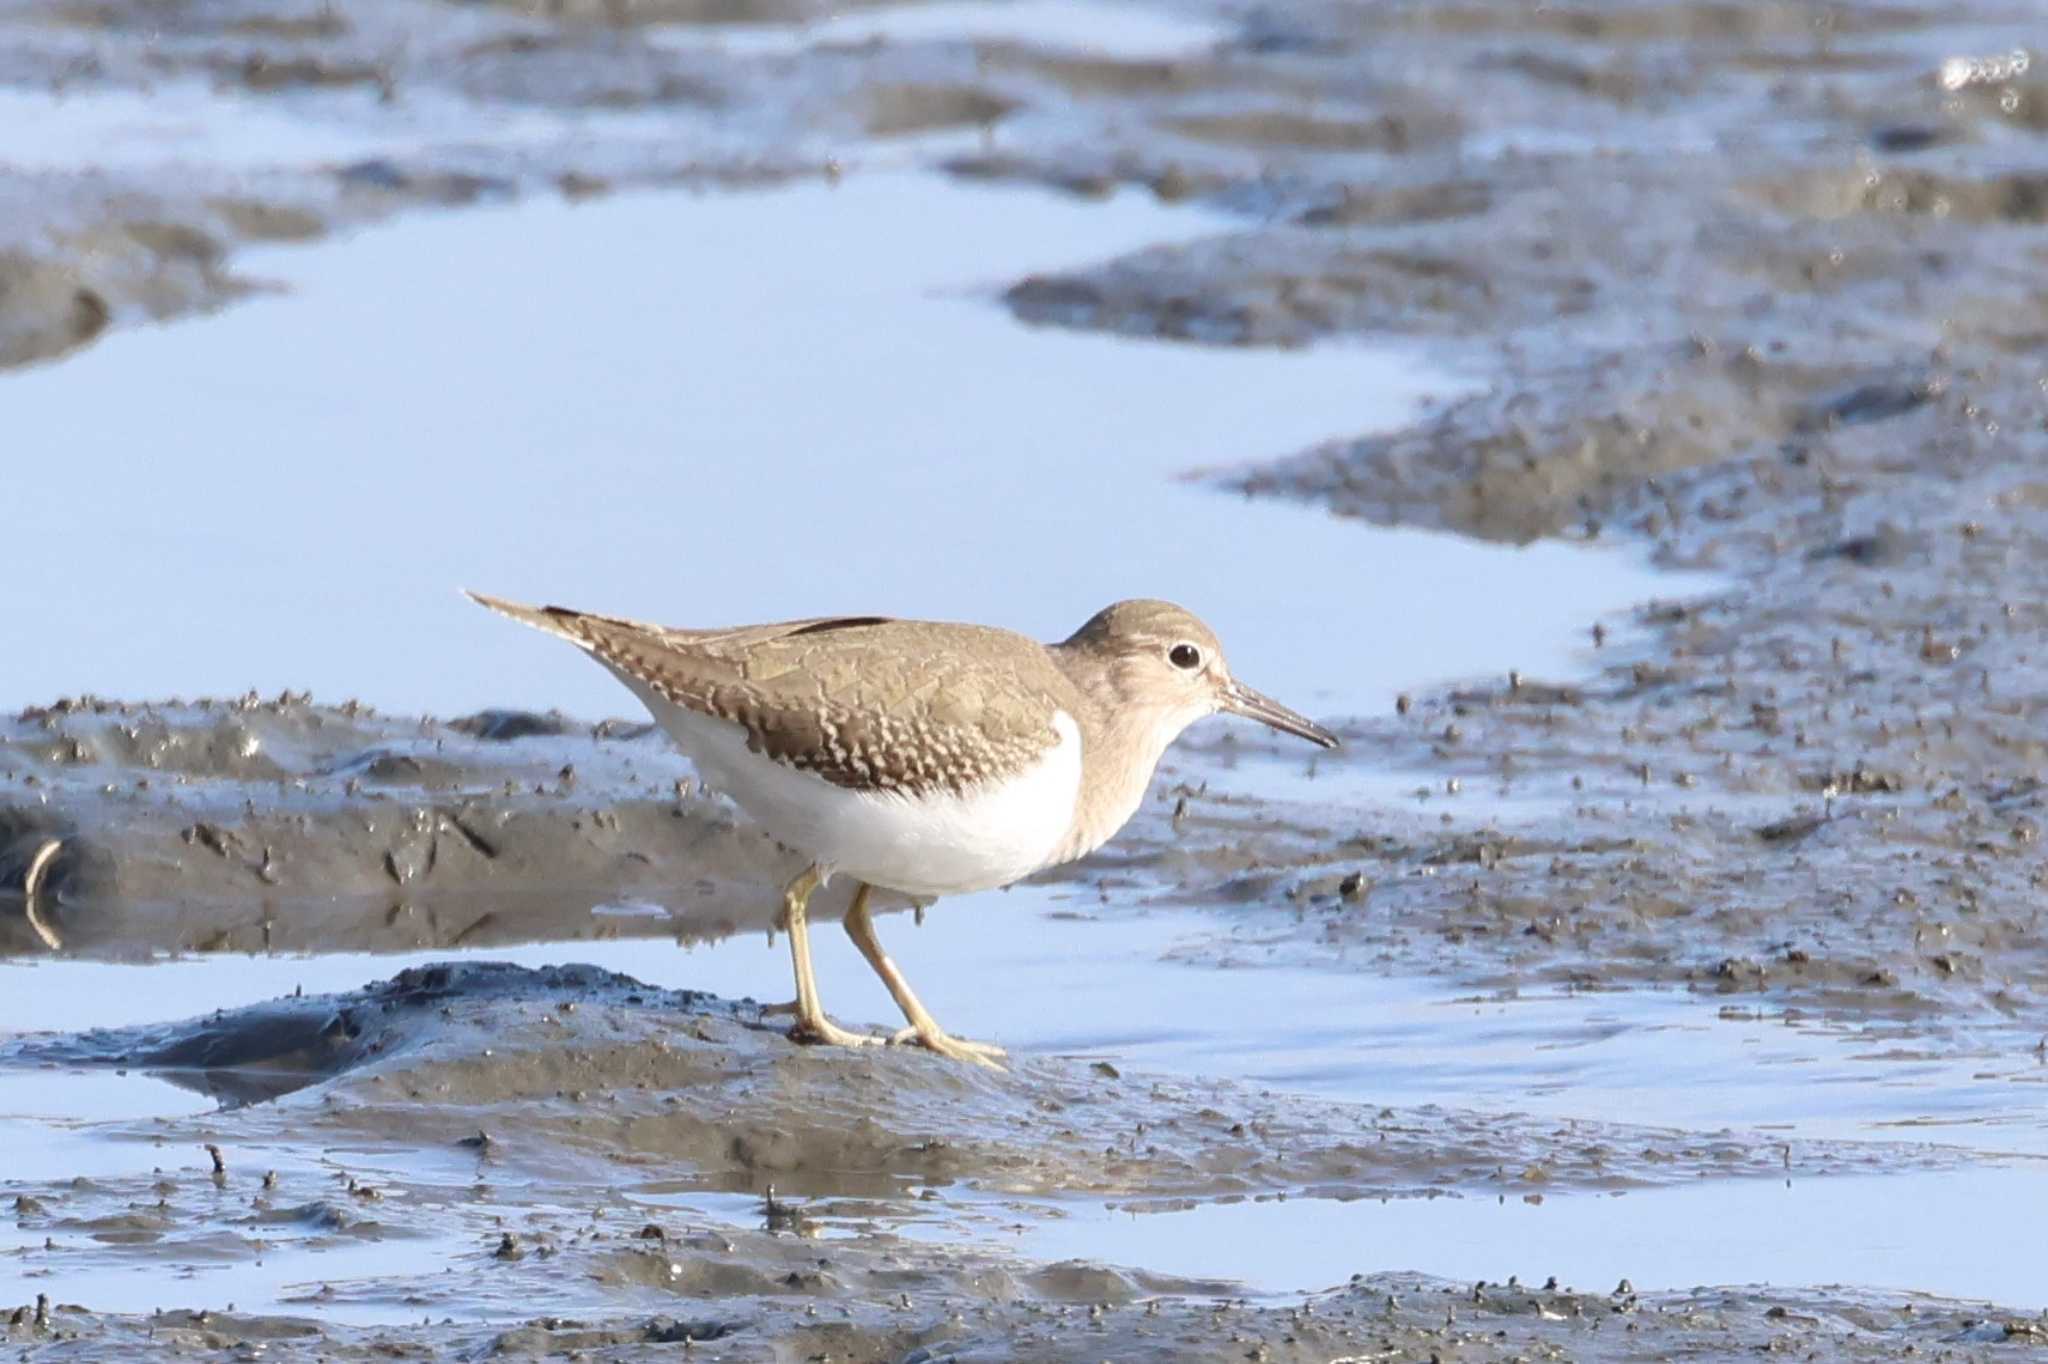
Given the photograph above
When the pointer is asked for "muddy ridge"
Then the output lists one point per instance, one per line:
(600, 1068)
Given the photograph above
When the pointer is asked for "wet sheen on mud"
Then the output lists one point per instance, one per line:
(1129, 997)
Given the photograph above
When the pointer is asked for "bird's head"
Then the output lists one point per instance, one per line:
(1159, 662)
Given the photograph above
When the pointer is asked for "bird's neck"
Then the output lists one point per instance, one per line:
(1121, 745)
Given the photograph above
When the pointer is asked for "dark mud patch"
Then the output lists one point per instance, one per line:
(1218, 292)
(46, 309)
(896, 110)
(1723, 855)
(1289, 129)
(2019, 197)
(61, 291)
(281, 825)
(272, 1049)
(269, 825)
(1606, 836)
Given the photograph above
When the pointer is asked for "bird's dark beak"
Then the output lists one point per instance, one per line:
(1239, 699)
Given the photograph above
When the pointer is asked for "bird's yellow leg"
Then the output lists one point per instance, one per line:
(811, 1024)
(924, 1029)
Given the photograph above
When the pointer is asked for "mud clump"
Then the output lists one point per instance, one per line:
(45, 310)
(1517, 465)
(591, 1068)
(1286, 128)
(2019, 197)
(897, 110)
(1220, 292)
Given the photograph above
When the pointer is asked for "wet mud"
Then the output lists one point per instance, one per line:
(1377, 1316)
(598, 1069)
(280, 825)
(469, 1137)
(1757, 287)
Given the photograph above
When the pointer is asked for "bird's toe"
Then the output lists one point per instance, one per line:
(824, 1032)
(944, 1044)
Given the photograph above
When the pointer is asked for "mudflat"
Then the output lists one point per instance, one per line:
(1747, 904)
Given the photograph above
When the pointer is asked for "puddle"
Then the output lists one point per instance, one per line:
(48, 1119)
(1122, 32)
(368, 1282)
(1847, 1231)
(83, 1096)
(804, 401)
(284, 1284)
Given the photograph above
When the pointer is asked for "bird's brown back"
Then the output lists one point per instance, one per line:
(864, 702)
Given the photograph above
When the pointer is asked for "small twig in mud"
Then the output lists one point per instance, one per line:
(777, 1215)
(32, 889)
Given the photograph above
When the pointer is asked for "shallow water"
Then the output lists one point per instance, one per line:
(1665, 1060)
(1851, 1231)
(369, 1280)
(1698, 1061)
(713, 409)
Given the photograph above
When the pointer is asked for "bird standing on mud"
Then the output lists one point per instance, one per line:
(922, 757)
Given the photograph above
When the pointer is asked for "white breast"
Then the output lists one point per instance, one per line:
(927, 845)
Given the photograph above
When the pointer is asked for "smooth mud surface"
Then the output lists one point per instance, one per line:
(1694, 945)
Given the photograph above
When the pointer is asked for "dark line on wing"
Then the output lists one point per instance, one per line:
(842, 623)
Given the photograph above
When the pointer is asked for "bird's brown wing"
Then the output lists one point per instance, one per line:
(864, 702)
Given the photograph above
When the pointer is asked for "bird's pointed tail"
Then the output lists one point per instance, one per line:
(555, 620)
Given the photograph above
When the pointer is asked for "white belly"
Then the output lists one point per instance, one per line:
(936, 844)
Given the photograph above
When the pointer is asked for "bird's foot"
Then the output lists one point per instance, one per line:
(938, 1040)
(822, 1031)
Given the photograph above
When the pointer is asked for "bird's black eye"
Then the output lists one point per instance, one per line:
(1184, 656)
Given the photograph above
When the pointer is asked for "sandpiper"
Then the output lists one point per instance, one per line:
(923, 757)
